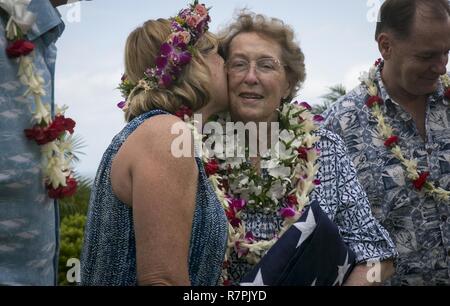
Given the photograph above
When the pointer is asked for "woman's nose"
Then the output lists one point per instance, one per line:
(251, 75)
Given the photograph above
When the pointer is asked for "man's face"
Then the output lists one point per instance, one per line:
(420, 59)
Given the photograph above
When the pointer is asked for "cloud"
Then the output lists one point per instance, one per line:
(92, 99)
(351, 77)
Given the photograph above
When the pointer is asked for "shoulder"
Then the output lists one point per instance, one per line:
(155, 133)
(161, 139)
(329, 139)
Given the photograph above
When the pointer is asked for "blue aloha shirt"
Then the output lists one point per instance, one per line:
(28, 217)
(343, 200)
(418, 224)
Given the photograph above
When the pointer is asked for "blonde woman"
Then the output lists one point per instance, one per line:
(153, 218)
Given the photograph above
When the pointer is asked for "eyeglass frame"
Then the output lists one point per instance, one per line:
(278, 63)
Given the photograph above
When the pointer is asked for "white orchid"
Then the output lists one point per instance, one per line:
(445, 80)
(277, 191)
(56, 168)
(42, 112)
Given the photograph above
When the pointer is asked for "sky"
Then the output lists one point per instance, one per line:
(335, 36)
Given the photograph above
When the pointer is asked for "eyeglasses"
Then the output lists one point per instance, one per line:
(265, 66)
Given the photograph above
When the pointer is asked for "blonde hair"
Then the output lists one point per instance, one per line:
(192, 87)
(292, 56)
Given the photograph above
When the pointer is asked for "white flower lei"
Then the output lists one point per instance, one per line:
(57, 154)
(290, 173)
(387, 133)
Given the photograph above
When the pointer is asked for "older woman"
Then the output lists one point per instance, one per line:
(269, 191)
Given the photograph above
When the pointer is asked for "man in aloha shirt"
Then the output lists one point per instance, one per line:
(415, 55)
(28, 217)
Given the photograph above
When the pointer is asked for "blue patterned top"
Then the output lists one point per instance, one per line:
(109, 251)
(28, 217)
(342, 198)
(418, 224)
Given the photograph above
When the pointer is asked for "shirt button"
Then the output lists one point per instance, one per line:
(444, 218)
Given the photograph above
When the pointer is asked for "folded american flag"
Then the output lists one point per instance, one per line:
(310, 253)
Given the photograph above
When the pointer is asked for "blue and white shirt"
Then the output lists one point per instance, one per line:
(418, 224)
(28, 217)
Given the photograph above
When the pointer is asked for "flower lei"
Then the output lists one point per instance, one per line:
(50, 134)
(187, 27)
(291, 178)
(419, 179)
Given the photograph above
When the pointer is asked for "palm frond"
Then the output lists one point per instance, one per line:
(334, 94)
(77, 204)
(78, 143)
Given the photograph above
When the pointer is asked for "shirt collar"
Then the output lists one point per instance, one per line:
(435, 97)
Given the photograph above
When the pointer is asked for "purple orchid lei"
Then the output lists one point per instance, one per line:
(187, 27)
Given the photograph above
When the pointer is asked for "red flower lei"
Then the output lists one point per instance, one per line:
(59, 181)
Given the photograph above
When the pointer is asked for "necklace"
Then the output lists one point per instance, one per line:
(50, 134)
(289, 176)
(419, 179)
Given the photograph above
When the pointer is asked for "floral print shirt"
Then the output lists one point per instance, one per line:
(28, 217)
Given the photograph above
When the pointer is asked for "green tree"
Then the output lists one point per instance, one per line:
(73, 212)
(72, 232)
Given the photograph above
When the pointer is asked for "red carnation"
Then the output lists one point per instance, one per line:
(212, 167)
(37, 134)
(184, 110)
(391, 141)
(69, 125)
(378, 62)
(56, 128)
(292, 200)
(420, 182)
(62, 192)
(231, 216)
(374, 100)
(19, 48)
(447, 93)
(303, 153)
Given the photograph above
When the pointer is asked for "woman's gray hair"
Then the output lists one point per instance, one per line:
(292, 56)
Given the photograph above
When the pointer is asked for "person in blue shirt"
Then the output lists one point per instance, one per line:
(28, 217)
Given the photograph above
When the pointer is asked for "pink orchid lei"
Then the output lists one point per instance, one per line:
(187, 28)
(50, 134)
(291, 178)
(419, 179)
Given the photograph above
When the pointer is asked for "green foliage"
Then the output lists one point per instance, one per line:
(77, 204)
(71, 231)
(73, 211)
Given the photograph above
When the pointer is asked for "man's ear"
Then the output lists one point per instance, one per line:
(385, 41)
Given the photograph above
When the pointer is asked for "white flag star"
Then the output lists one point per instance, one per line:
(306, 227)
(342, 270)
(257, 282)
